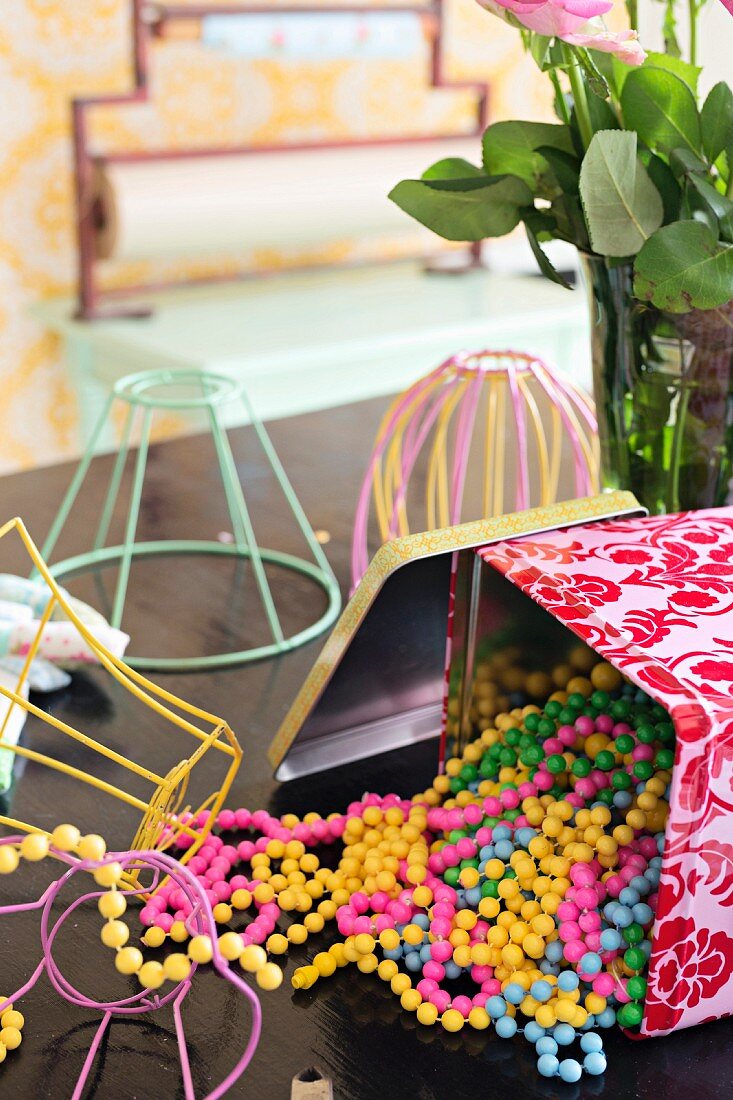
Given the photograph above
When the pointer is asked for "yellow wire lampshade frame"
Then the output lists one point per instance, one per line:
(161, 811)
(485, 433)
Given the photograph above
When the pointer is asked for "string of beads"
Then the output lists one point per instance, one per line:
(518, 891)
(117, 873)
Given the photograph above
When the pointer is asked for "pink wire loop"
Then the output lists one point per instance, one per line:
(423, 403)
(201, 921)
(521, 427)
(359, 546)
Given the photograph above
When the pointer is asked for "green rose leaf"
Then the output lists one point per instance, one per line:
(621, 204)
(511, 148)
(683, 69)
(694, 209)
(620, 72)
(569, 221)
(596, 80)
(602, 115)
(720, 206)
(539, 48)
(717, 121)
(545, 264)
(464, 209)
(684, 163)
(565, 167)
(661, 108)
(452, 168)
(663, 179)
(604, 64)
(683, 267)
(724, 163)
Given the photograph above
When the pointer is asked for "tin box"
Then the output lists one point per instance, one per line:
(651, 595)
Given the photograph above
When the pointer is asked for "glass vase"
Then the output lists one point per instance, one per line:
(663, 385)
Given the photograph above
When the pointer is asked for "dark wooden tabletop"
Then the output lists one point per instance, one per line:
(350, 1025)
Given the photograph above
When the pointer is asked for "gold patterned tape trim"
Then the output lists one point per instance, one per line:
(399, 552)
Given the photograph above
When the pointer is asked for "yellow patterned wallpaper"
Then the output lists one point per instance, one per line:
(52, 50)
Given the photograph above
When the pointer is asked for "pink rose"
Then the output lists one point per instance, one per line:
(570, 20)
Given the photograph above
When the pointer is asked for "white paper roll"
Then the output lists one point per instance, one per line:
(196, 206)
(315, 36)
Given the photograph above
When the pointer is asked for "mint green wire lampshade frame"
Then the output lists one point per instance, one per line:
(144, 394)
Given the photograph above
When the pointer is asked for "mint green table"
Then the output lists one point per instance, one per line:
(301, 342)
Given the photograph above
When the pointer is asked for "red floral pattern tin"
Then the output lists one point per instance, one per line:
(654, 597)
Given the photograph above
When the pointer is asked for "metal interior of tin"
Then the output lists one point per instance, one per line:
(380, 685)
(500, 638)
(387, 691)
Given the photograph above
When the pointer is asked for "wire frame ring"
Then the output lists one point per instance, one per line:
(462, 417)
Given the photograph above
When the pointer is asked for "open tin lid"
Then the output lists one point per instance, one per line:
(378, 683)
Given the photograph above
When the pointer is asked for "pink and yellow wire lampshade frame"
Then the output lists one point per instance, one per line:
(475, 396)
(163, 816)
